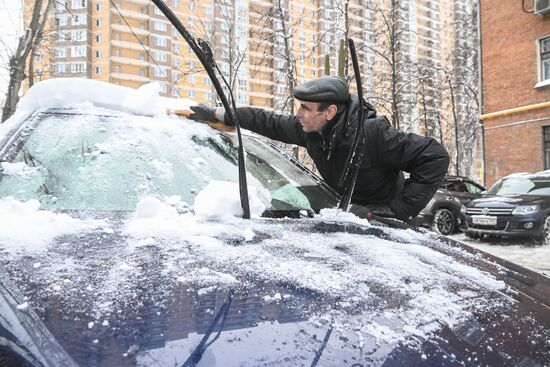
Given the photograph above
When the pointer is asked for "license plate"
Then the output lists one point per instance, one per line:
(484, 220)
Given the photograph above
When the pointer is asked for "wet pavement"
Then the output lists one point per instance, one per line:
(520, 251)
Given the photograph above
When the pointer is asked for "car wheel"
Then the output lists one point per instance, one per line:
(444, 222)
(544, 238)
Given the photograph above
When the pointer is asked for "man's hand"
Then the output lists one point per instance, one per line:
(203, 112)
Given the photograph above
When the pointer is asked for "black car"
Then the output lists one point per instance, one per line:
(443, 211)
(515, 206)
(105, 261)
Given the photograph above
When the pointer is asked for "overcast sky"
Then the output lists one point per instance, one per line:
(10, 29)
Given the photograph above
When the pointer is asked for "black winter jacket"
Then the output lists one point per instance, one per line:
(387, 152)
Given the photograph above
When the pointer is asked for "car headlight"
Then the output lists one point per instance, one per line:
(462, 209)
(525, 209)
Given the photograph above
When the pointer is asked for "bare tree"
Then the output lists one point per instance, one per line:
(274, 38)
(18, 61)
(393, 90)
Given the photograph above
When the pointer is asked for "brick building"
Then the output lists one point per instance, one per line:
(515, 51)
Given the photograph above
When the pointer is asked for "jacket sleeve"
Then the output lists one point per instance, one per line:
(278, 127)
(424, 158)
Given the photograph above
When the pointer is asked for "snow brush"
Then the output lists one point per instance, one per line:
(220, 125)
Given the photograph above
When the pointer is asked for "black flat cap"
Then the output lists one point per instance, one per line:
(325, 89)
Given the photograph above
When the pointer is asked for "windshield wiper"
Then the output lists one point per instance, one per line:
(353, 162)
(205, 56)
(196, 356)
(322, 348)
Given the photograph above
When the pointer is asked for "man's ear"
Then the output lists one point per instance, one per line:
(331, 111)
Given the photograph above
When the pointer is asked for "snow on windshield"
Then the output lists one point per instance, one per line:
(429, 288)
(89, 95)
(26, 228)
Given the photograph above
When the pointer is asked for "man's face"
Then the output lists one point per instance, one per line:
(310, 117)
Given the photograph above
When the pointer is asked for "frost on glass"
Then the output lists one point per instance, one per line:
(111, 162)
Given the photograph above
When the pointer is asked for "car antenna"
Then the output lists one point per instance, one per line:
(204, 53)
(353, 162)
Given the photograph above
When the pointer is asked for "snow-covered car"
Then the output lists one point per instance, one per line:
(443, 211)
(121, 244)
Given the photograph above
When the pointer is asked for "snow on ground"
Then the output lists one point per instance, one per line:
(521, 251)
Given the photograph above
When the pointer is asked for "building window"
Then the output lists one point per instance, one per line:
(160, 71)
(60, 68)
(160, 42)
(98, 38)
(60, 52)
(78, 35)
(161, 56)
(546, 133)
(98, 6)
(98, 69)
(544, 48)
(192, 94)
(160, 26)
(78, 67)
(98, 53)
(79, 19)
(141, 72)
(98, 22)
(117, 69)
(78, 51)
(78, 4)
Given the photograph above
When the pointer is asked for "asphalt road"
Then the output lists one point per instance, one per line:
(520, 251)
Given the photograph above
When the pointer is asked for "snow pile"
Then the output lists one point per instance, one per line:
(85, 93)
(24, 227)
(220, 200)
(16, 169)
(75, 92)
(337, 215)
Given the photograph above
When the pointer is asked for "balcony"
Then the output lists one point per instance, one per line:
(129, 45)
(128, 61)
(130, 77)
(124, 28)
(130, 14)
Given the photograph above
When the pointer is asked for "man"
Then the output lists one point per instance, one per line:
(325, 124)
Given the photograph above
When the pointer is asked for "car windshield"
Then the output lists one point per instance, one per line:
(97, 162)
(521, 186)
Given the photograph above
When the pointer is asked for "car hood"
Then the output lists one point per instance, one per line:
(332, 290)
(496, 201)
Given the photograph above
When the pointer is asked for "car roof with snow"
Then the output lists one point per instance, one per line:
(121, 243)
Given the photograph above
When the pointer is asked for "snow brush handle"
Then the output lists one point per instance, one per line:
(220, 126)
